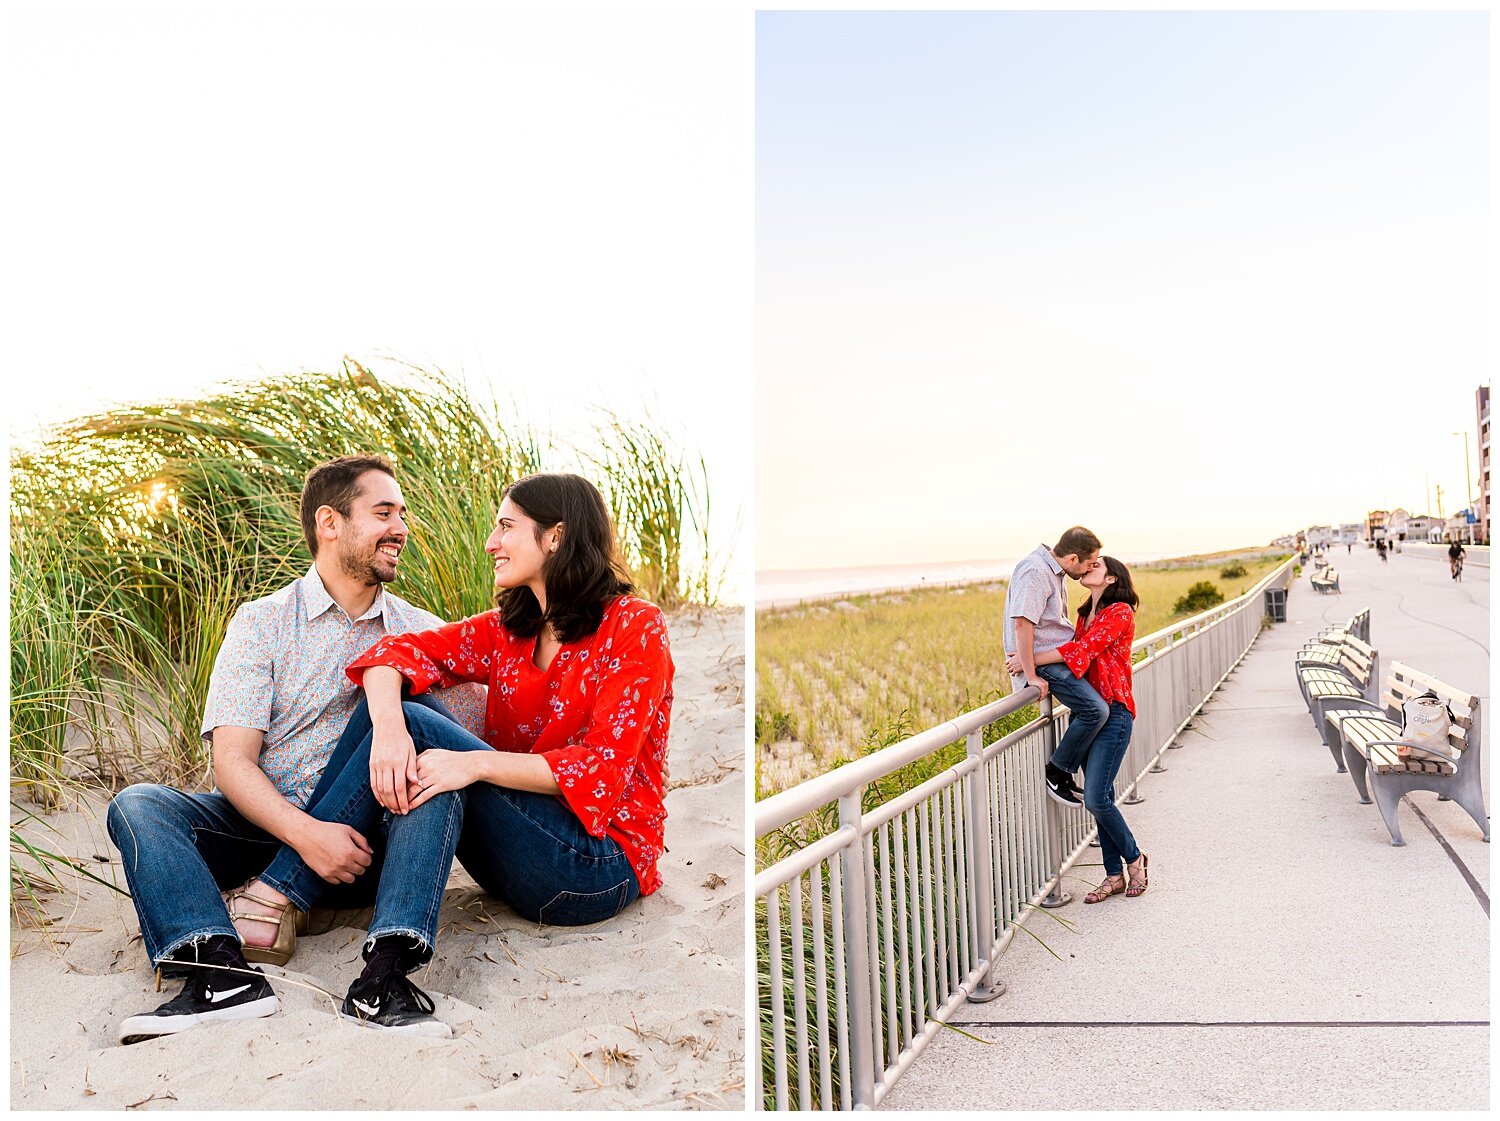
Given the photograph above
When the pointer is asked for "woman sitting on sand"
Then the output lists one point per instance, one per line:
(1100, 651)
(562, 802)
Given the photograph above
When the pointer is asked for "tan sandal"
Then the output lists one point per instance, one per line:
(1138, 881)
(285, 920)
(299, 925)
(1112, 885)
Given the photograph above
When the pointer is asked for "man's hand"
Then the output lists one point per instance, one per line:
(1040, 683)
(393, 768)
(335, 851)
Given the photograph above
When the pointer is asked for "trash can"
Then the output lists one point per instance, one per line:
(1276, 604)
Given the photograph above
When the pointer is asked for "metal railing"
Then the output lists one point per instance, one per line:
(870, 936)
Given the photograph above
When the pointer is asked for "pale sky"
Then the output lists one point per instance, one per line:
(1191, 279)
(557, 207)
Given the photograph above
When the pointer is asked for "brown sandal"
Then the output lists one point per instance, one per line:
(285, 920)
(1139, 882)
(1114, 884)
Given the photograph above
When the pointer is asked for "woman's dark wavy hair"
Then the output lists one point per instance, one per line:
(1121, 591)
(585, 573)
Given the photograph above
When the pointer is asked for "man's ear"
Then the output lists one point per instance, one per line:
(327, 520)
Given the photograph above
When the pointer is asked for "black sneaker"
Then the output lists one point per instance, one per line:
(383, 997)
(237, 992)
(1060, 787)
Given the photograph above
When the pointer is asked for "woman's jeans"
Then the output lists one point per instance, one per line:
(180, 850)
(1105, 754)
(528, 850)
(1087, 710)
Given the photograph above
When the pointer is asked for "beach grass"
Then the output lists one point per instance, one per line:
(136, 533)
(836, 678)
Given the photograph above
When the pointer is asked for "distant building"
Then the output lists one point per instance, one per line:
(1460, 528)
(1349, 533)
(1418, 525)
(1482, 412)
(1395, 524)
(1375, 525)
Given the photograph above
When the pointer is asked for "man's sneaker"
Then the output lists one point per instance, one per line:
(237, 992)
(1060, 787)
(383, 997)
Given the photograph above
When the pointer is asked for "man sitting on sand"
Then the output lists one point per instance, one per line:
(1036, 620)
(277, 702)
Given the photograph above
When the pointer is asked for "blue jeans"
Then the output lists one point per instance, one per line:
(528, 850)
(1115, 840)
(1088, 714)
(180, 850)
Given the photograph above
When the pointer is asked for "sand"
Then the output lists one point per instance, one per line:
(645, 1011)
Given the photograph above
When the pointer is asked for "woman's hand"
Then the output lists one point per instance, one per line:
(393, 767)
(439, 771)
(1013, 664)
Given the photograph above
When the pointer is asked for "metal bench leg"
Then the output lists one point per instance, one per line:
(1320, 722)
(1333, 740)
(1357, 768)
(1388, 799)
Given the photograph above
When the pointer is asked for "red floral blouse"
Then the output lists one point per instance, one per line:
(1101, 653)
(598, 714)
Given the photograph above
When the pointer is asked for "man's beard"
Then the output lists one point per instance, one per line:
(361, 567)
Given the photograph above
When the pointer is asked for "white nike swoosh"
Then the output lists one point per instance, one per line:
(367, 1009)
(214, 998)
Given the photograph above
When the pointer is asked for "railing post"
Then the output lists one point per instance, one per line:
(1057, 897)
(981, 852)
(857, 954)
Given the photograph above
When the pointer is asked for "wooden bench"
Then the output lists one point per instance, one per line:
(1369, 734)
(1354, 677)
(1326, 581)
(1323, 648)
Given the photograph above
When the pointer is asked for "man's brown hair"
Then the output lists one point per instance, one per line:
(336, 484)
(1077, 542)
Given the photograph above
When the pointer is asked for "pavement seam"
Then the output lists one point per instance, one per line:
(1463, 869)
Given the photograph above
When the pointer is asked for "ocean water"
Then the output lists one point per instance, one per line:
(789, 586)
(775, 589)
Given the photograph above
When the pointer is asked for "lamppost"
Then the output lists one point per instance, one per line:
(1468, 483)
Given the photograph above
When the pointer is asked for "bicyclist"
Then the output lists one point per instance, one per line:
(1455, 559)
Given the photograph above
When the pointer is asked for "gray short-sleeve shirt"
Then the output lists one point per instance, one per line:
(1037, 592)
(281, 670)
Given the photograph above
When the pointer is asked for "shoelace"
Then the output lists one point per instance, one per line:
(396, 988)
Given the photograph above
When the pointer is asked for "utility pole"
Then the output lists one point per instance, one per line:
(1468, 483)
(1440, 499)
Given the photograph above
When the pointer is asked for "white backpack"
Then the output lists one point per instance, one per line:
(1425, 724)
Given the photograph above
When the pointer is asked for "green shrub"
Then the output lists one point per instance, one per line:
(1200, 597)
(1234, 572)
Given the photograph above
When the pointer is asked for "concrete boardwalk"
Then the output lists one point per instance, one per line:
(1286, 955)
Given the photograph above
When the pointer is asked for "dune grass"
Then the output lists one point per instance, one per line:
(136, 533)
(836, 678)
